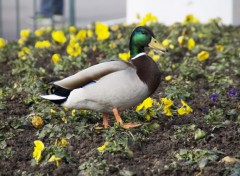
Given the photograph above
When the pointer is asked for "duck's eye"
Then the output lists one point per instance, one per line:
(144, 32)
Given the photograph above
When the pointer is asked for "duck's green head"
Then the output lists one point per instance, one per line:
(143, 37)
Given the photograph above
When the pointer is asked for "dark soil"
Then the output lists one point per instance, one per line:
(150, 156)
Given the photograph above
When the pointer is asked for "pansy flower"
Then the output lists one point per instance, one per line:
(232, 92)
(214, 97)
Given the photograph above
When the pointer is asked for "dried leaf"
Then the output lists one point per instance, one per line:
(229, 160)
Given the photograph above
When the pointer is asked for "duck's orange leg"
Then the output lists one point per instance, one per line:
(119, 120)
(117, 116)
(105, 120)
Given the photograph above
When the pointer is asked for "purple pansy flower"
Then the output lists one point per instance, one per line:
(214, 97)
(232, 92)
(204, 110)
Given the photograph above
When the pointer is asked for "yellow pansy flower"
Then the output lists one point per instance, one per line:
(112, 45)
(84, 111)
(190, 19)
(74, 112)
(56, 159)
(39, 32)
(203, 55)
(149, 114)
(185, 109)
(74, 49)
(167, 104)
(72, 29)
(42, 44)
(171, 46)
(2, 42)
(151, 53)
(114, 27)
(25, 33)
(166, 42)
(73, 40)
(148, 19)
(59, 36)
(201, 35)
(155, 58)
(168, 78)
(219, 48)
(81, 35)
(103, 147)
(181, 40)
(48, 28)
(148, 117)
(21, 41)
(66, 109)
(147, 103)
(102, 31)
(37, 155)
(167, 111)
(124, 56)
(37, 122)
(64, 119)
(23, 52)
(191, 43)
(89, 33)
(119, 36)
(39, 147)
(56, 58)
(26, 50)
(52, 111)
(64, 142)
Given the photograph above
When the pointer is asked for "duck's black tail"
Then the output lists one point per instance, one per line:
(57, 94)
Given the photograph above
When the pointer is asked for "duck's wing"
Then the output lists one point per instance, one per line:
(92, 73)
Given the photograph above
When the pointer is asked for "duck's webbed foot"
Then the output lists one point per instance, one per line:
(120, 121)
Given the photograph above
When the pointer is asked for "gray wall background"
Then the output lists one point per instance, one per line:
(86, 12)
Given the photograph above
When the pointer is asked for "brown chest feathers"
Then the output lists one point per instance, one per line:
(148, 72)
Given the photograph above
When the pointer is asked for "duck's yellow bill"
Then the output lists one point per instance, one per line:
(154, 44)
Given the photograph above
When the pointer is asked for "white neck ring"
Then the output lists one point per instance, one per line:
(138, 55)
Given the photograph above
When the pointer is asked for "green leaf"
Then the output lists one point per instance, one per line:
(203, 163)
(2, 106)
(3, 145)
(126, 173)
(199, 134)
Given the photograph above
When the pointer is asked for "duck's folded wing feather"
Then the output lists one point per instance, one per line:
(91, 74)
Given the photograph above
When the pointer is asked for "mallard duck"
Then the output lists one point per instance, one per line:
(113, 86)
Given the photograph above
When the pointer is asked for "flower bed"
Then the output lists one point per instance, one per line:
(189, 126)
